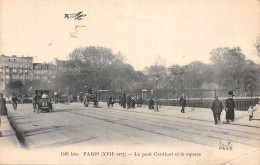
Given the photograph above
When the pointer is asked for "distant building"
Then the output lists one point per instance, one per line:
(15, 68)
(23, 68)
(60, 65)
(42, 71)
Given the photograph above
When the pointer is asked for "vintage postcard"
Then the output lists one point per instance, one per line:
(130, 82)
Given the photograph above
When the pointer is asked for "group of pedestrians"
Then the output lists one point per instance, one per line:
(217, 107)
(130, 101)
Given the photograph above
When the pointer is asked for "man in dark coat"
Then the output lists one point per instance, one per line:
(123, 101)
(139, 101)
(128, 101)
(183, 103)
(230, 107)
(217, 108)
(109, 100)
(3, 109)
(151, 103)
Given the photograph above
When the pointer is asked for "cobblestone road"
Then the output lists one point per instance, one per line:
(76, 125)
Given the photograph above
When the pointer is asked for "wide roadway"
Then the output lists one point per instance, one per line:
(73, 125)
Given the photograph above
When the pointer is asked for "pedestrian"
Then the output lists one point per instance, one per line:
(95, 101)
(151, 104)
(3, 109)
(217, 107)
(14, 100)
(183, 103)
(133, 102)
(109, 99)
(251, 110)
(123, 101)
(140, 101)
(230, 107)
(128, 101)
(112, 101)
(120, 100)
(34, 102)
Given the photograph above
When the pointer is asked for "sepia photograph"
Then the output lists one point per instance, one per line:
(130, 82)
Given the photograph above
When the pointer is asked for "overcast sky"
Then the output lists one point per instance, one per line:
(179, 31)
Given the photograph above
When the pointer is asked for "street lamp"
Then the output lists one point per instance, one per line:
(156, 75)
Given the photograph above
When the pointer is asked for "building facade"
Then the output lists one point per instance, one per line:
(23, 68)
(60, 65)
(15, 68)
(43, 71)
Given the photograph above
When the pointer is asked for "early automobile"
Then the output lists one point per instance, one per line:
(90, 98)
(42, 101)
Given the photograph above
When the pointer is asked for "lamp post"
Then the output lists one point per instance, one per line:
(156, 75)
(156, 108)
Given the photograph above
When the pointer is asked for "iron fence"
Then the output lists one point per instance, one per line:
(195, 97)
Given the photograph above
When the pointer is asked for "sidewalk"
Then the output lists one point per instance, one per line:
(204, 114)
(8, 142)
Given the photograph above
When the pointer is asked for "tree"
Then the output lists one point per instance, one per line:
(228, 64)
(15, 87)
(257, 45)
(97, 56)
(251, 76)
(177, 73)
(96, 68)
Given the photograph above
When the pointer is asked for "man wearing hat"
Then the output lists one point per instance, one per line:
(217, 108)
(3, 109)
(230, 107)
(183, 103)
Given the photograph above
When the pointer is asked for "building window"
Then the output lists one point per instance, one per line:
(7, 77)
(25, 77)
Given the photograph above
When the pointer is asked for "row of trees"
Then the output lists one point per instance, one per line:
(98, 68)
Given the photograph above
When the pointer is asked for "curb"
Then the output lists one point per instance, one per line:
(18, 133)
